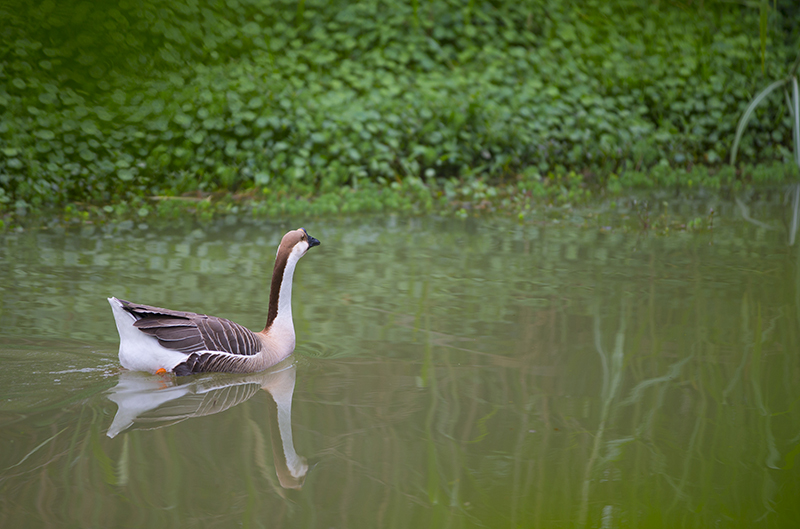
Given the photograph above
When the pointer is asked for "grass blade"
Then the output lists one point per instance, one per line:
(762, 30)
(37, 448)
(795, 106)
(749, 112)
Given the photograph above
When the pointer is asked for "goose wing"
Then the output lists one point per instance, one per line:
(189, 332)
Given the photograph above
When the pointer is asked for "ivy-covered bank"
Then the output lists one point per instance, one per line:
(335, 105)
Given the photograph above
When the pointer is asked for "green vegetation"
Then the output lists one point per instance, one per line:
(373, 106)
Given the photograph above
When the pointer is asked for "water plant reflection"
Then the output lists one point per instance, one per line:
(148, 402)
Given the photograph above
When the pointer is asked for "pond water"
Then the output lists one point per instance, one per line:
(464, 373)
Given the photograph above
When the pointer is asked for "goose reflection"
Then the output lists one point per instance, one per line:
(148, 402)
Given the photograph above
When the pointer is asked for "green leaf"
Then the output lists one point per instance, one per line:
(251, 29)
(88, 127)
(182, 119)
(103, 114)
(126, 175)
(47, 98)
(88, 155)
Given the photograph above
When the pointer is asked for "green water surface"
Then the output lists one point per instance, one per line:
(448, 373)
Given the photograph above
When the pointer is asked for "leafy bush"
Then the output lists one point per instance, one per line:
(105, 101)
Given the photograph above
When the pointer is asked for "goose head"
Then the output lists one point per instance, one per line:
(296, 243)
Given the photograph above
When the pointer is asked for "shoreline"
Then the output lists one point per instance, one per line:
(524, 199)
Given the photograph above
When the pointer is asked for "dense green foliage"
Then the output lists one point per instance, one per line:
(105, 101)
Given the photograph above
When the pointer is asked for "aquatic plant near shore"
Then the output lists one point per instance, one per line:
(792, 102)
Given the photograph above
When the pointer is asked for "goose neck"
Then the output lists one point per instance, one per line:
(280, 297)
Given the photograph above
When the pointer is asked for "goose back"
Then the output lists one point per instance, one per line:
(188, 332)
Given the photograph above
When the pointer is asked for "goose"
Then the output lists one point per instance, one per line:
(163, 341)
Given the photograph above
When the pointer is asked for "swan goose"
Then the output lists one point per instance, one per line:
(168, 341)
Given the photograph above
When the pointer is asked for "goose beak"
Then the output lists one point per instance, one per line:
(311, 240)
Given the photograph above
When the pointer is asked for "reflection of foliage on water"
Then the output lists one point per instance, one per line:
(667, 432)
(661, 432)
(453, 373)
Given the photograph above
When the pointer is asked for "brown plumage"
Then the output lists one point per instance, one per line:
(189, 332)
